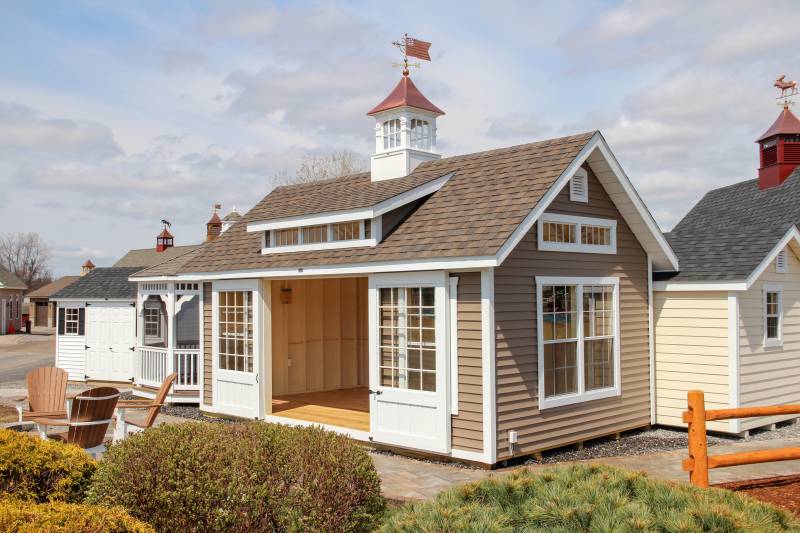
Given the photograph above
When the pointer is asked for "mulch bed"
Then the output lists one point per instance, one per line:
(780, 491)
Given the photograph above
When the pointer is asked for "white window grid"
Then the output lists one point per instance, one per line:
(152, 321)
(391, 134)
(420, 134)
(560, 334)
(235, 330)
(773, 316)
(598, 336)
(346, 231)
(407, 338)
(286, 237)
(569, 233)
(559, 232)
(352, 230)
(71, 319)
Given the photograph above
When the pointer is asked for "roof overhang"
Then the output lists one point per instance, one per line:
(352, 214)
(94, 299)
(790, 238)
(598, 155)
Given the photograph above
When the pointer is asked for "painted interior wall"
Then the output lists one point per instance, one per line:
(467, 425)
(770, 375)
(691, 352)
(319, 339)
(516, 336)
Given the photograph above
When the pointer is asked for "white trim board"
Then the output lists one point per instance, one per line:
(353, 214)
(734, 398)
(488, 366)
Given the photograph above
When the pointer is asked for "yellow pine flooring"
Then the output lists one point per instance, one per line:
(346, 408)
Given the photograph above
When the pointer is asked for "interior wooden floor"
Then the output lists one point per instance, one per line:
(346, 408)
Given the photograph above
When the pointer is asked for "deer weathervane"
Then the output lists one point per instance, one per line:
(784, 86)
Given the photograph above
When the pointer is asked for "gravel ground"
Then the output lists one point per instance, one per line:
(190, 412)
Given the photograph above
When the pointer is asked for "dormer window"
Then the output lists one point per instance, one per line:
(346, 231)
(420, 134)
(286, 237)
(391, 134)
(333, 235)
(315, 234)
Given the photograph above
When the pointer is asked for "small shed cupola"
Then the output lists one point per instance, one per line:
(87, 267)
(164, 240)
(405, 131)
(779, 149)
(214, 224)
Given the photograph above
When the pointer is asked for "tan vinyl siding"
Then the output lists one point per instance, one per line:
(467, 432)
(691, 347)
(516, 349)
(207, 398)
(770, 375)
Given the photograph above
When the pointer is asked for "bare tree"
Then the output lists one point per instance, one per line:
(322, 167)
(27, 256)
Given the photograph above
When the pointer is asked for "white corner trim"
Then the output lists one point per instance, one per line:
(651, 340)
(488, 366)
(453, 345)
(791, 235)
(581, 396)
(778, 288)
(577, 246)
(352, 214)
(734, 400)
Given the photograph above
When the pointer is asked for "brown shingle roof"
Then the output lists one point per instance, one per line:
(472, 215)
(169, 268)
(9, 280)
(46, 291)
(148, 257)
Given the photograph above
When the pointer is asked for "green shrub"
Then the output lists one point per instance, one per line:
(38, 470)
(241, 477)
(586, 498)
(18, 516)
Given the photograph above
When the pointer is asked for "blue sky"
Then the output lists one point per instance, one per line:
(114, 115)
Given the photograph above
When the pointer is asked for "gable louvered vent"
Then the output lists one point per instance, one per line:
(579, 186)
(780, 262)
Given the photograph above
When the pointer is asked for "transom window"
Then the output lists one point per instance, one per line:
(235, 327)
(71, 319)
(391, 134)
(568, 233)
(773, 316)
(346, 231)
(314, 234)
(420, 134)
(578, 340)
(407, 333)
(286, 237)
(319, 236)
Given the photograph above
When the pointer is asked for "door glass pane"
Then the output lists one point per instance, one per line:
(235, 328)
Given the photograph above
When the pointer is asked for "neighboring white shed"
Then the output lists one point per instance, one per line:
(96, 326)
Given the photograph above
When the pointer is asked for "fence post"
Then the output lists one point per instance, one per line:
(698, 451)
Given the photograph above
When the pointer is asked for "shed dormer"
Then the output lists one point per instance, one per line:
(405, 131)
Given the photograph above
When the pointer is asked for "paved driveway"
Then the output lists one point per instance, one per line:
(21, 353)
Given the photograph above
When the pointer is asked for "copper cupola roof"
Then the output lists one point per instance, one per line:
(405, 94)
(785, 124)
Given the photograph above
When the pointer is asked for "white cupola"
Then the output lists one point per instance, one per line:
(405, 131)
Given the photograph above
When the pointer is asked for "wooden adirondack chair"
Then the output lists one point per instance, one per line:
(91, 413)
(47, 394)
(125, 425)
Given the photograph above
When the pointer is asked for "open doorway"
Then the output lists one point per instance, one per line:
(320, 370)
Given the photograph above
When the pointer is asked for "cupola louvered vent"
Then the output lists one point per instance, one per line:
(780, 262)
(579, 186)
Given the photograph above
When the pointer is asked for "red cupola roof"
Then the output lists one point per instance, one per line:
(214, 219)
(165, 234)
(405, 94)
(785, 124)
(88, 264)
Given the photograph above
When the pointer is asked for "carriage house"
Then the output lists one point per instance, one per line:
(481, 307)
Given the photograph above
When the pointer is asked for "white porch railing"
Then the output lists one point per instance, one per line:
(155, 364)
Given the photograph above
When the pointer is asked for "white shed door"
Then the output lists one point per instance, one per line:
(110, 335)
(235, 351)
(408, 363)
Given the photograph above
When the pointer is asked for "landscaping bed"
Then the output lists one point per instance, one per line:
(781, 491)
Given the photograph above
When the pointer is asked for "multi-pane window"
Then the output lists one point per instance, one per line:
(71, 319)
(559, 232)
(407, 325)
(420, 134)
(287, 237)
(315, 234)
(772, 318)
(578, 341)
(152, 322)
(346, 231)
(235, 328)
(599, 235)
(391, 134)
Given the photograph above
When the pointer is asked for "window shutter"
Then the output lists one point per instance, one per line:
(780, 262)
(81, 320)
(60, 320)
(579, 186)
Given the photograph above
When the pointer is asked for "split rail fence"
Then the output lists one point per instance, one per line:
(699, 462)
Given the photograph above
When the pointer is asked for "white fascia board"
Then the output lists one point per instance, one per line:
(596, 142)
(95, 299)
(669, 286)
(344, 270)
(791, 235)
(317, 246)
(352, 214)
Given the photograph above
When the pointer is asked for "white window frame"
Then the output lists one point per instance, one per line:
(76, 321)
(329, 244)
(157, 322)
(779, 290)
(582, 395)
(576, 196)
(782, 262)
(577, 246)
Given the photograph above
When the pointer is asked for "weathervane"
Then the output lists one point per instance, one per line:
(167, 223)
(414, 48)
(784, 86)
